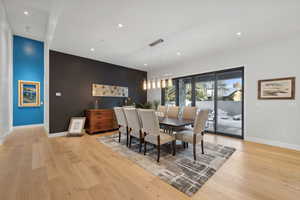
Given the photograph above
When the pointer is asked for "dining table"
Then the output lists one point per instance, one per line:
(173, 124)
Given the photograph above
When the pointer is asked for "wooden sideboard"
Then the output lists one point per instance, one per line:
(100, 120)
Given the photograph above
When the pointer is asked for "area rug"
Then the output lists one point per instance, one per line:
(180, 171)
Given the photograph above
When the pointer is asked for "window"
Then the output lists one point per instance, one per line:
(169, 95)
(220, 92)
(185, 92)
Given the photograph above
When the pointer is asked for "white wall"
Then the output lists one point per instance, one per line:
(5, 75)
(46, 87)
(275, 122)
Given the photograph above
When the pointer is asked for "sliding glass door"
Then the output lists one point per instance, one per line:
(204, 97)
(185, 92)
(169, 95)
(229, 102)
(220, 92)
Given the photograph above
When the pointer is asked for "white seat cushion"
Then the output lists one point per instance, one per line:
(188, 136)
(164, 138)
(136, 133)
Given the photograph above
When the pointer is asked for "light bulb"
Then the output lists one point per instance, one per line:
(145, 85)
(153, 84)
(163, 84)
(158, 83)
(170, 82)
(149, 85)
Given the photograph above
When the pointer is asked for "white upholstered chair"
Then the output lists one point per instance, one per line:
(195, 135)
(122, 122)
(162, 109)
(134, 125)
(173, 111)
(189, 113)
(152, 132)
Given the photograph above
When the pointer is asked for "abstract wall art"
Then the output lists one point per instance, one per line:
(109, 91)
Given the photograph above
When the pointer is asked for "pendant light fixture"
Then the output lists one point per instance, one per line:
(145, 85)
(158, 83)
(163, 83)
(170, 82)
(153, 84)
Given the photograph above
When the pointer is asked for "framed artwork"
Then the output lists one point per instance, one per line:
(76, 125)
(29, 94)
(280, 88)
(109, 91)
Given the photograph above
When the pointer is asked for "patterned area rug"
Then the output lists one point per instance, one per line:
(180, 171)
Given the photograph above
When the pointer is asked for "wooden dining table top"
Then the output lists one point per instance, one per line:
(174, 122)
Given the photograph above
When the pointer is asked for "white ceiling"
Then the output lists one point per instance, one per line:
(194, 27)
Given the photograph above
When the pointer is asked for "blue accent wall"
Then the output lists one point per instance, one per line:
(28, 65)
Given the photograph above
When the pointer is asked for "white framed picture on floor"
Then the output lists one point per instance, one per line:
(76, 126)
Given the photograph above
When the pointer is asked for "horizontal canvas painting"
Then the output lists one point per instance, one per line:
(109, 91)
(29, 94)
(282, 88)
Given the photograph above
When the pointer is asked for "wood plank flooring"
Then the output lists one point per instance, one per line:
(35, 167)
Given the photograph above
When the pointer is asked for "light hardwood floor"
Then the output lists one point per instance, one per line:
(35, 167)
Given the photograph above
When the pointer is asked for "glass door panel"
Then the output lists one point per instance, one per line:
(204, 98)
(229, 103)
(220, 92)
(185, 92)
(170, 95)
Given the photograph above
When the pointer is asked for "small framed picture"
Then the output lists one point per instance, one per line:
(76, 126)
(29, 94)
(280, 88)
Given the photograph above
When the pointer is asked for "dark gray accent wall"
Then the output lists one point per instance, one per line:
(73, 76)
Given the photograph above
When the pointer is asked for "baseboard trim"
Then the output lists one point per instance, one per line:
(273, 143)
(28, 126)
(2, 138)
(60, 134)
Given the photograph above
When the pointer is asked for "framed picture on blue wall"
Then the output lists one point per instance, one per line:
(29, 94)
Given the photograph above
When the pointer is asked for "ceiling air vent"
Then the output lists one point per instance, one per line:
(156, 42)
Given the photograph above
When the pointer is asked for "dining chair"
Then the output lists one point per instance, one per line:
(134, 126)
(173, 111)
(162, 109)
(189, 113)
(195, 135)
(122, 122)
(152, 132)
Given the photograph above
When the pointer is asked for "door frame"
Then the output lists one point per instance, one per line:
(214, 73)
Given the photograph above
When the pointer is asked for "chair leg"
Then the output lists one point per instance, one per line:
(145, 148)
(141, 141)
(183, 144)
(119, 136)
(127, 133)
(202, 146)
(158, 148)
(174, 147)
(158, 152)
(130, 138)
(194, 146)
(194, 150)
(140, 145)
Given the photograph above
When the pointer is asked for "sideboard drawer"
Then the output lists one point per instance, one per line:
(99, 120)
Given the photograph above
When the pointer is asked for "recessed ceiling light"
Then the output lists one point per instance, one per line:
(26, 12)
(120, 25)
(239, 34)
(178, 54)
(92, 49)
(145, 64)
